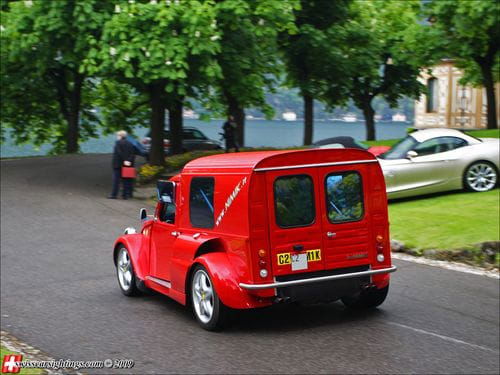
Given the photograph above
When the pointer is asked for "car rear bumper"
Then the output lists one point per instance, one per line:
(282, 284)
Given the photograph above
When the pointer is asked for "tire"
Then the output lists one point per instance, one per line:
(125, 273)
(480, 176)
(208, 309)
(367, 299)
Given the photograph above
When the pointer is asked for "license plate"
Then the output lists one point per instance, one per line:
(299, 261)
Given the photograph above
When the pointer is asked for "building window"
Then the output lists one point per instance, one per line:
(294, 201)
(344, 197)
(201, 202)
(432, 95)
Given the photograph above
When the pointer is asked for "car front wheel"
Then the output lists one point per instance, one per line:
(208, 309)
(125, 273)
(480, 176)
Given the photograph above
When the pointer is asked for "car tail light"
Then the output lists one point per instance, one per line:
(262, 263)
(380, 248)
(166, 143)
(146, 141)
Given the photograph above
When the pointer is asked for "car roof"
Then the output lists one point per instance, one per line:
(426, 134)
(246, 162)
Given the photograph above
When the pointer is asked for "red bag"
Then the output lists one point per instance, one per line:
(128, 172)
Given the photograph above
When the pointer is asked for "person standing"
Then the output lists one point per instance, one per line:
(123, 156)
(229, 135)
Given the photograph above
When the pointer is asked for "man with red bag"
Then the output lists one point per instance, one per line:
(123, 166)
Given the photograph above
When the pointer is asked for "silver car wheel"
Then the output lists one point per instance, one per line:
(203, 296)
(481, 177)
(124, 270)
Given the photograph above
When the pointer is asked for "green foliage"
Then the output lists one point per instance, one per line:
(373, 42)
(248, 51)
(467, 31)
(173, 42)
(308, 52)
(44, 93)
(119, 106)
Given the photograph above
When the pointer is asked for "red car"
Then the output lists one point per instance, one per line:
(247, 230)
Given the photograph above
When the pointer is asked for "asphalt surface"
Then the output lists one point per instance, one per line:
(59, 293)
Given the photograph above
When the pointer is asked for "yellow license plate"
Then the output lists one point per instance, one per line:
(286, 258)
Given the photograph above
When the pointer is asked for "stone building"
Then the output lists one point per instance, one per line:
(448, 104)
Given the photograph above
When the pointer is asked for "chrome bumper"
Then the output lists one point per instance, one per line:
(281, 284)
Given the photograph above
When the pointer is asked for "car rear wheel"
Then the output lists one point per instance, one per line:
(480, 176)
(367, 299)
(208, 309)
(125, 273)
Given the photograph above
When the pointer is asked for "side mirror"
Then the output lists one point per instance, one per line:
(165, 190)
(411, 154)
(143, 214)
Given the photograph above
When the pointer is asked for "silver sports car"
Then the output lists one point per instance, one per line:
(433, 160)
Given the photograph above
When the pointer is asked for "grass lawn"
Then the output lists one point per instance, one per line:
(446, 221)
(31, 371)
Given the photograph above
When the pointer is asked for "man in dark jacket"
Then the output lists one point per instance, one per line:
(123, 156)
(229, 135)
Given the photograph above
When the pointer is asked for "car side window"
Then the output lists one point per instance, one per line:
(167, 213)
(201, 202)
(440, 144)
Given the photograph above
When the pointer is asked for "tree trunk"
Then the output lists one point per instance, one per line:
(176, 124)
(489, 86)
(234, 109)
(157, 124)
(73, 133)
(308, 119)
(369, 115)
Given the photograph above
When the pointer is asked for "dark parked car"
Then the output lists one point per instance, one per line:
(192, 139)
(349, 142)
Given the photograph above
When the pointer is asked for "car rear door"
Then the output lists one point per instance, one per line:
(295, 221)
(345, 233)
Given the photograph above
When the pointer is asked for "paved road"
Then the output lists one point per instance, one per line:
(59, 293)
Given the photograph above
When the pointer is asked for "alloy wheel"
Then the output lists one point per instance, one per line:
(203, 296)
(481, 177)
(124, 270)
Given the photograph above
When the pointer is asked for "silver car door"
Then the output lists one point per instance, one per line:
(432, 168)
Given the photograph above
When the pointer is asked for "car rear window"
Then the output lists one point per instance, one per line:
(344, 197)
(201, 202)
(294, 201)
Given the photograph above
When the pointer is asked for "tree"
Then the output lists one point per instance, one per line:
(43, 87)
(468, 31)
(378, 62)
(304, 51)
(248, 56)
(165, 50)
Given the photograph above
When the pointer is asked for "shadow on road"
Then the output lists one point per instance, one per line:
(277, 318)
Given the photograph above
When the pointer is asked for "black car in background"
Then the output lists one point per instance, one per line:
(192, 139)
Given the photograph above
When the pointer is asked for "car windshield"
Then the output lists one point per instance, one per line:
(400, 149)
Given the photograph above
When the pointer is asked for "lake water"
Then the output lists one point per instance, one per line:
(257, 133)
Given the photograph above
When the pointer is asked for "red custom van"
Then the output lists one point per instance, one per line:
(246, 230)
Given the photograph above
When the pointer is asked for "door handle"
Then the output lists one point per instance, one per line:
(196, 235)
(298, 247)
(331, 234)
(175, 233)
